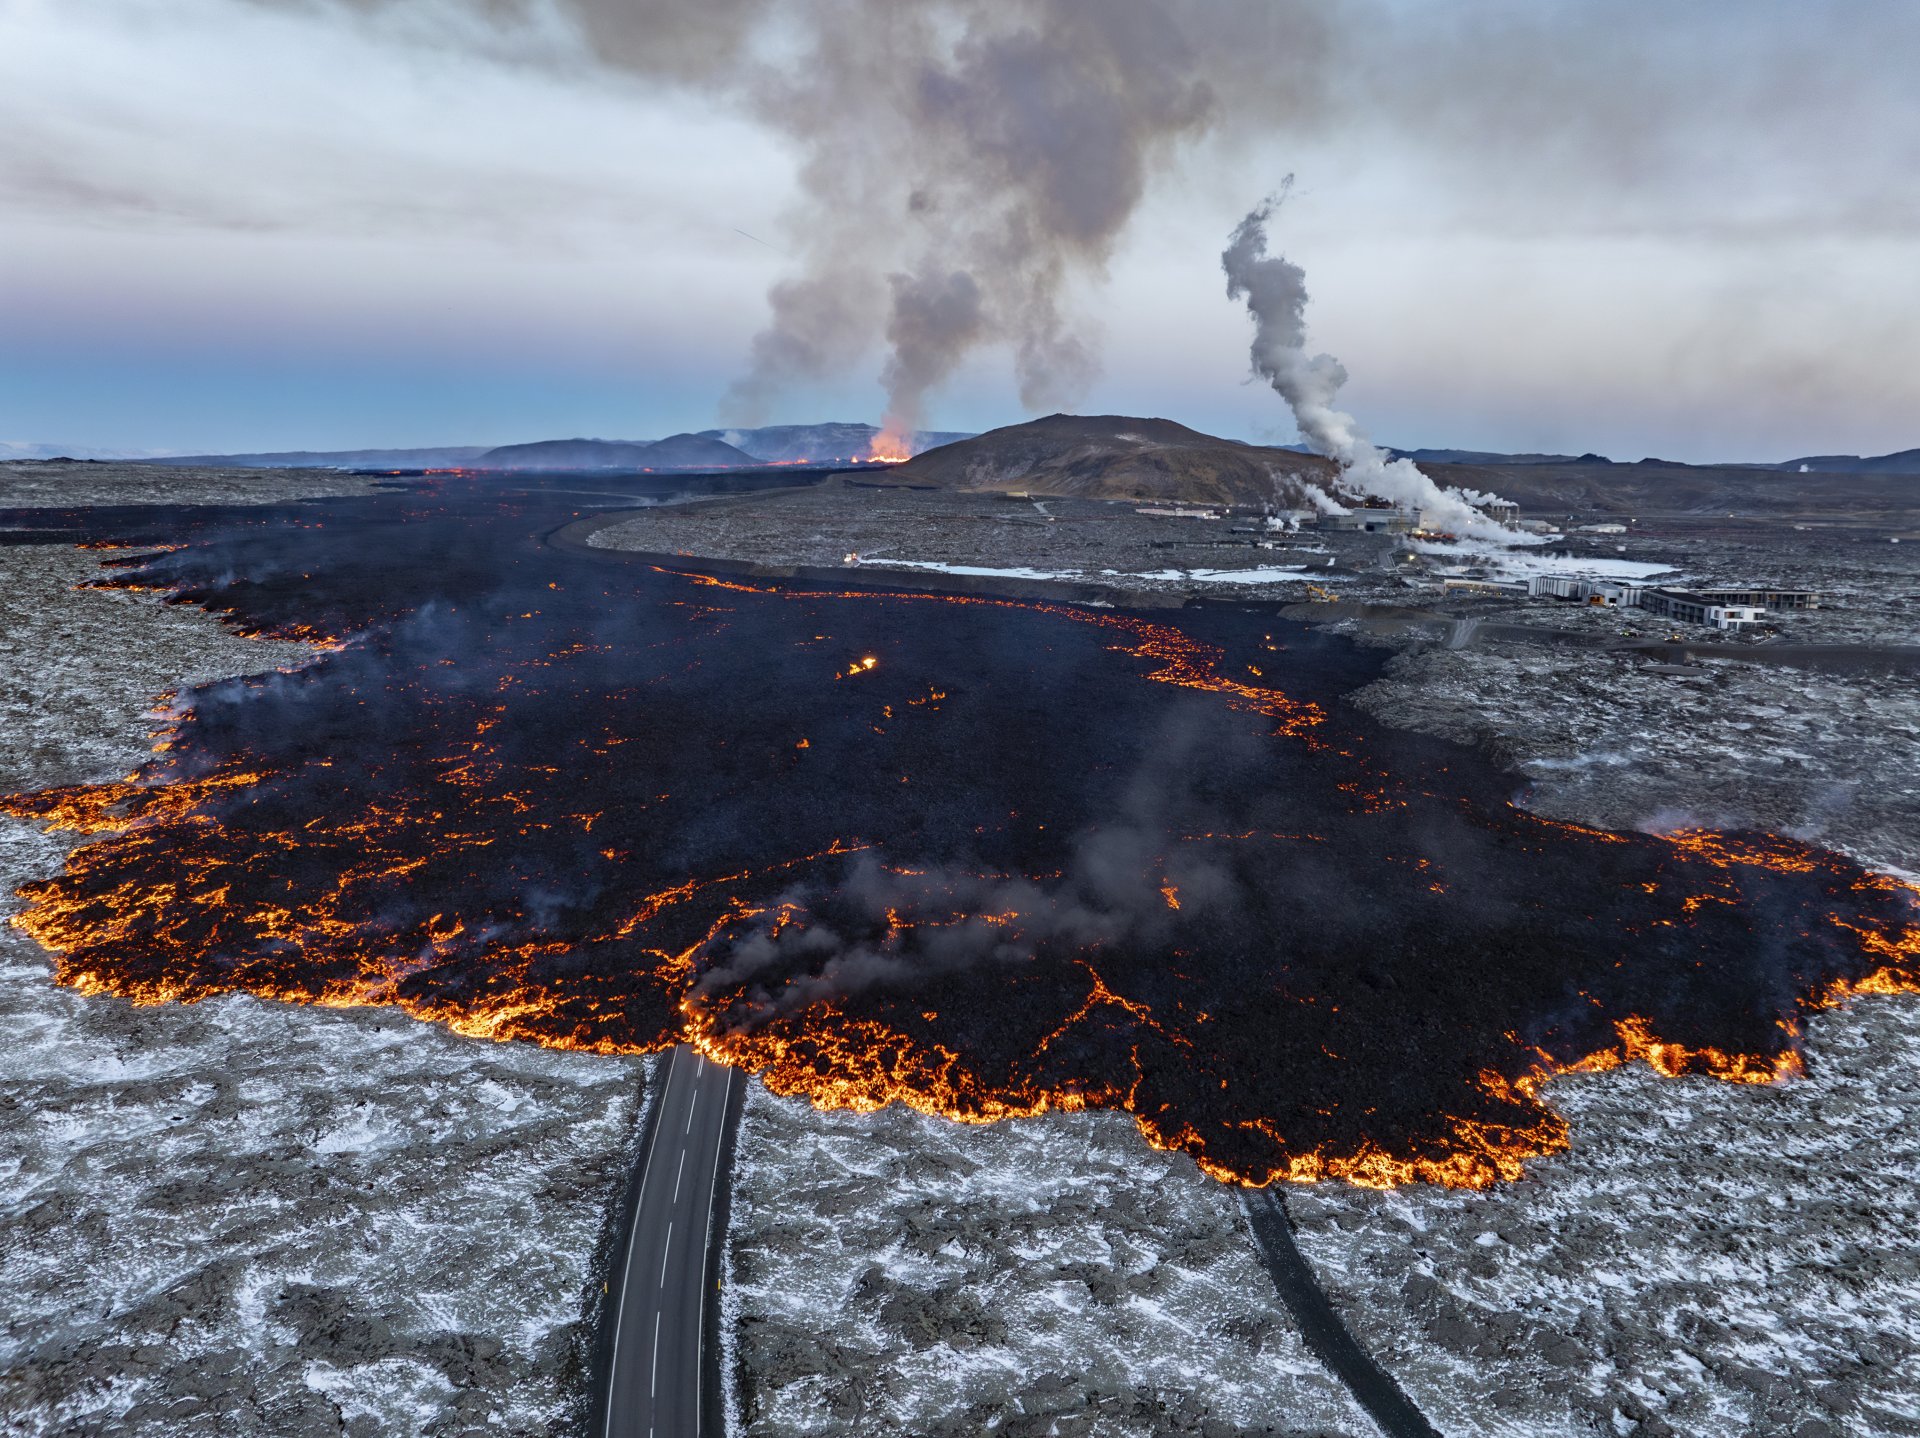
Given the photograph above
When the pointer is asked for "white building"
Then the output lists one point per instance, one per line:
(1687, 608)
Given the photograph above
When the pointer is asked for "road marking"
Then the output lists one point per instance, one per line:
(666, 1250)
(620, 1311)
(677, 1173)
(653, 1384)
(700, 1332)
(692, 1104)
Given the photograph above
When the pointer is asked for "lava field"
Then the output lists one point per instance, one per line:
(982, 856)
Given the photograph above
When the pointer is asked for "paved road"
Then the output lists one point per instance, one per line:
(662, 1289)
(1329, 1338)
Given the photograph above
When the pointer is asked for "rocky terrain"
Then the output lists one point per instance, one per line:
(1051, 1276)
(241, 1218)
(1830, 753)
(1708, 1258)
(1705, 1259)
(55, 483)
(893, 529)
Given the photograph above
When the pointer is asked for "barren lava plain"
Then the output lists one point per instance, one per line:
(986, 857)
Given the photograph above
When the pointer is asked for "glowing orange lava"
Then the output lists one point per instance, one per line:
(190, 881)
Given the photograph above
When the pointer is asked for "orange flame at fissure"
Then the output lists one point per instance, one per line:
(890, 446)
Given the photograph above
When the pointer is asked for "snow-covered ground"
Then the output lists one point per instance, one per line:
(1521, 563)
(245, 1218)
(1259, 574)
(1264, 574)
(893, 1273)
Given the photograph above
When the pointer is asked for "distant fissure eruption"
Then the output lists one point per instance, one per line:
(1119, 864)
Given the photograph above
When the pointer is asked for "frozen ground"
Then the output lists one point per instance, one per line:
(242, 1218)
(893, 1273)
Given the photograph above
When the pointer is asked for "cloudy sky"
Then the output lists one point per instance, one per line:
(1636, 227)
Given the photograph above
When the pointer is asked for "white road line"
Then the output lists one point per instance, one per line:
(700, 1333)
(692, 1103)
(677, 1173)
(653, 1384)
(620, 1309)
(666, 1250)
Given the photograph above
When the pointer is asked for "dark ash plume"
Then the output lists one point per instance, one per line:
(963, 167)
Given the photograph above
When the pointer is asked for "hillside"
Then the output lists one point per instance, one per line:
(679, 451)
(830, 443)
(1907, 461)
(1116, 457)
(1656, 487)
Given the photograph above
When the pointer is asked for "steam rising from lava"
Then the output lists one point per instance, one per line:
(1276, 294)
(983, 857)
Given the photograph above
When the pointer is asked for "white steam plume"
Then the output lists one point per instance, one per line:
(1276, 294)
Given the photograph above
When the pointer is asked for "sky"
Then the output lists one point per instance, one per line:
(1562, 225)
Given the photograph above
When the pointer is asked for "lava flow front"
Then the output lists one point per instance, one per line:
(982, 857)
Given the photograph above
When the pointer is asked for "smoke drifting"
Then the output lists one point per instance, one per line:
(963, 166)
(1275, 290)
(964, 170)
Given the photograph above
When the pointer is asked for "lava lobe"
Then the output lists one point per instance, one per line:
(984, 857)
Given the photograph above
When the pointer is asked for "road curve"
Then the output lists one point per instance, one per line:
(661, 1295)
(1330, 1339)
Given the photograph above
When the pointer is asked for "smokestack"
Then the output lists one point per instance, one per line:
(1275, 290)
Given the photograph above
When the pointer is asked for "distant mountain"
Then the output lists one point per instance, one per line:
(1906, 461)
(696, 451)
(1116, 457)
(820, 443)
(441, 458)
(20, 449)
(679, 451)
(1480, 456)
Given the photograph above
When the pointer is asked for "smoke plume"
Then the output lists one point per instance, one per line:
(1275, 290)
(963, 169)
(963, 166)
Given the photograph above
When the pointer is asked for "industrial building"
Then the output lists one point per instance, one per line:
(1763, 598)
(1719, 608)
(1609, 592)
(1500, 588)
(1371, 521)
(1690, 608)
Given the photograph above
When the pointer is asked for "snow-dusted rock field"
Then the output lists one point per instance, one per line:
(1707, 1259)
(894, 1273)
(45, 484)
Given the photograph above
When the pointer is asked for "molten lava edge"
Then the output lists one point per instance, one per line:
(981, 857)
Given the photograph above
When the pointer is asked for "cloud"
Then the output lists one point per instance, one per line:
(952, 178)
